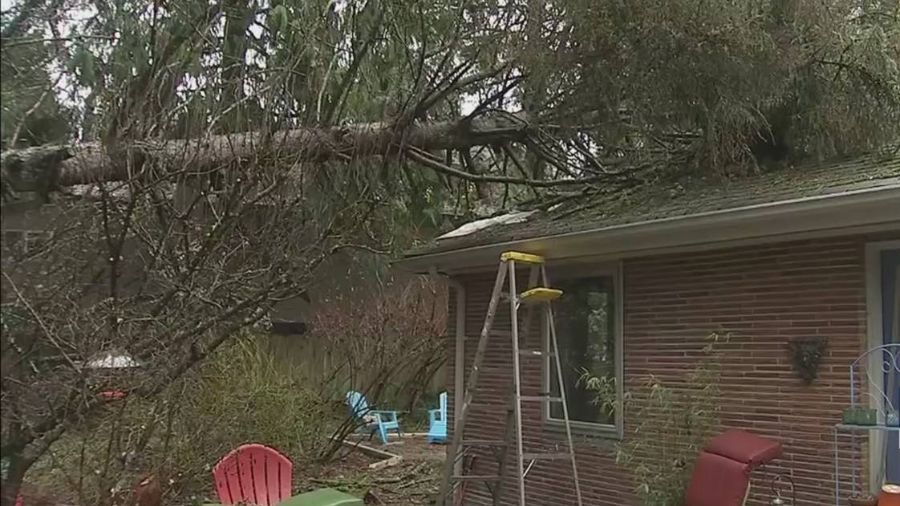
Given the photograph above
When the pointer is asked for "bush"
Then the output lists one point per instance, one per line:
(386, 342)
(241, 397)
(385, 339)
(238, 396)
(671, 423)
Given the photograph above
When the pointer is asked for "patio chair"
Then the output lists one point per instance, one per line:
(721, 475)
(437, 421)
(257, 475)
(372, 419)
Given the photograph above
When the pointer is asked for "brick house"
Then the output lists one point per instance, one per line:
(802, 251)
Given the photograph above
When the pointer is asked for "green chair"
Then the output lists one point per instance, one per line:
(323, 497)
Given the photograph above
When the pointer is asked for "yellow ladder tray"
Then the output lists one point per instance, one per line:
(540, 295)
(525, 258)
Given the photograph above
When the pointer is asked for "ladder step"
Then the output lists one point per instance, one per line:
(477, 477)
(540, 398)
(547, 456)
(535, 353)
(517, 256)
(483, 442)
(488, 403)
(540, 294)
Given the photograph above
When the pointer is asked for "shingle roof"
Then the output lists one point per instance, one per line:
(689, 196)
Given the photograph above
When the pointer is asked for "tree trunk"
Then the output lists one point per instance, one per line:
(45, 168)
(534, 89)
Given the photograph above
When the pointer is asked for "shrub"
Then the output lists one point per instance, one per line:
(385, 339)
(386, 342)
(671, 423)
(238, 396)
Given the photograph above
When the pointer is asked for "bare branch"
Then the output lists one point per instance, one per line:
(24, 41)
(427, 160)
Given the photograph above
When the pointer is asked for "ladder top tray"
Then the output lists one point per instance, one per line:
(526, 258)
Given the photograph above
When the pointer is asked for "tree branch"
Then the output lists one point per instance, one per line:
(24, 41)
(425, 159)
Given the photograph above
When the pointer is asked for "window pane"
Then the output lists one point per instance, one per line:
(585, 328)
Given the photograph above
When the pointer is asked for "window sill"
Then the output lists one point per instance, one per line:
(603, 437)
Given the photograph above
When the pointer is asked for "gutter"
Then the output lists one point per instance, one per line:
(822, 212)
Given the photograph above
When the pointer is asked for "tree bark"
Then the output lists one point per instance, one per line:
(534, 90)
(45, 168)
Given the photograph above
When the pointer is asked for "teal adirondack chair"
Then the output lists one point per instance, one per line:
(437, 422)
(376, 420)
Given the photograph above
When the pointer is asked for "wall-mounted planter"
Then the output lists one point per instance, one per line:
(860, 416)
(850, 416)
(806, 355)
(867, 416)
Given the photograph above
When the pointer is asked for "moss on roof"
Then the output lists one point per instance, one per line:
(690, 196)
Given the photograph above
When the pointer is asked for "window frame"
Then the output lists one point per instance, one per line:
(576, 271)
(875, 337)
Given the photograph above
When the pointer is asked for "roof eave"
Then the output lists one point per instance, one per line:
(834, 214)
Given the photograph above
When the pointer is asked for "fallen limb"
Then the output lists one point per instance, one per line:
(48, 167)
(417, 482)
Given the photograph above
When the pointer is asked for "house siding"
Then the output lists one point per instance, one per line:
(761, 296)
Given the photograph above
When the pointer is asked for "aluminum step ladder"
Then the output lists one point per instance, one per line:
(538, 296)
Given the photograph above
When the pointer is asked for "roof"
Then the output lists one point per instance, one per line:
(684, 198)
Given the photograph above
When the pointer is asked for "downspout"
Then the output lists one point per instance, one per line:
(459, 366)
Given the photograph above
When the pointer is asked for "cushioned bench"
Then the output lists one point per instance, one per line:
(721, 475)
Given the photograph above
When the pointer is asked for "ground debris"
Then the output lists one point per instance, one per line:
(409, 484)
(412, 480)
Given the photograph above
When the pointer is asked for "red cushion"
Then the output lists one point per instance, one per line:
(744, 447)
(717, 481)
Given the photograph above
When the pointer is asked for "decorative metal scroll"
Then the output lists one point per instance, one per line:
(880, 360)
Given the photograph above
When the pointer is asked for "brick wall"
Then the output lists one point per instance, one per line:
(762, 296)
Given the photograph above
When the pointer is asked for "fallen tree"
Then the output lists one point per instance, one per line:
(46, 167)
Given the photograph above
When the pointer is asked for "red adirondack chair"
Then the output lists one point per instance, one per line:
(254, 474)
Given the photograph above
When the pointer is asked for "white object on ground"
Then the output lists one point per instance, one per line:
(110, 361)
(381, 464)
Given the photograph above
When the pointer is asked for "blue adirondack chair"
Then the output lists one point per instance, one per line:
(437, 422)
(375, 420)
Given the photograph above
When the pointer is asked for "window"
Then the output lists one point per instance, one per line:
(883, 314)
(587, 327)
